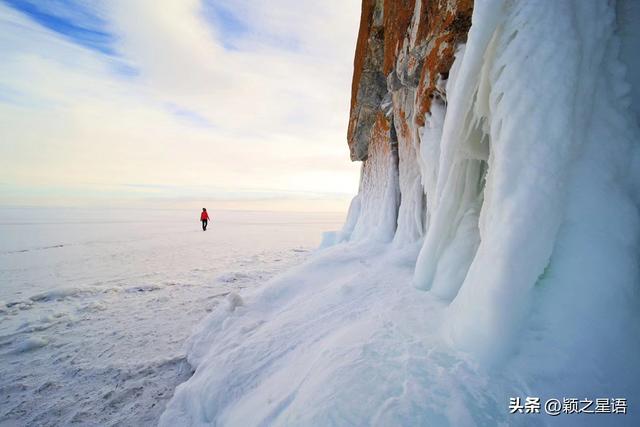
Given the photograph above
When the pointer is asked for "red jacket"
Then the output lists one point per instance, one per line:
(204, 216)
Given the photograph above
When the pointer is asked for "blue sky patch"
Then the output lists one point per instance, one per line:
(72, 19)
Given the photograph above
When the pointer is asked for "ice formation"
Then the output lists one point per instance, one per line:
(517, 179)
(504, 186)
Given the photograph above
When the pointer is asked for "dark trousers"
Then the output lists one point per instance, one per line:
(204, 225)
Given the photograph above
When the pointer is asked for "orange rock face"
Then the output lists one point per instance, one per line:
(403, 45)
(397, 17)
(366, 21)
(369, 83)
(450, 21)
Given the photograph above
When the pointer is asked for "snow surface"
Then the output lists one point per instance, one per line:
(529, 255)
(335, 341)
(96, 305)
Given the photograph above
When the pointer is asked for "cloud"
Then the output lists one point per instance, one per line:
(244, 99)
(73, 19)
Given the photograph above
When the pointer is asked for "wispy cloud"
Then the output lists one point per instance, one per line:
(73, 19)
(190, 116)
(228, 25)
(241, 94)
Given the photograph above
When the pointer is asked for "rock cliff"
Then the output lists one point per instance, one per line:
(404, 52)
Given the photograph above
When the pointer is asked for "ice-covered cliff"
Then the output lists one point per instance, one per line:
(493, 250)
(512, 165)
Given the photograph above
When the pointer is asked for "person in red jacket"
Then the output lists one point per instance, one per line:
(204, 217)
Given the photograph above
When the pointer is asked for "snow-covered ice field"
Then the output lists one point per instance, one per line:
(344, 340)
(95, 305)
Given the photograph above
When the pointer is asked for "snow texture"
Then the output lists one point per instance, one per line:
(96, 304)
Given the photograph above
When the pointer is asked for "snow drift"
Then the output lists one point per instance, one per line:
(500, 178)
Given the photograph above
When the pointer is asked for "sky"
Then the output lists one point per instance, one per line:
(239, 104)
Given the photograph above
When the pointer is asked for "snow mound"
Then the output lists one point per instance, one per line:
(67, 292)
(31, 343)
(313, 342)
(233, 301)
(233, 277)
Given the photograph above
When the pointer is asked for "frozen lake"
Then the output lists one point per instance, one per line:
(96, 304)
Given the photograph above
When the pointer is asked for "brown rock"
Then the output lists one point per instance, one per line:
(388, 58)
